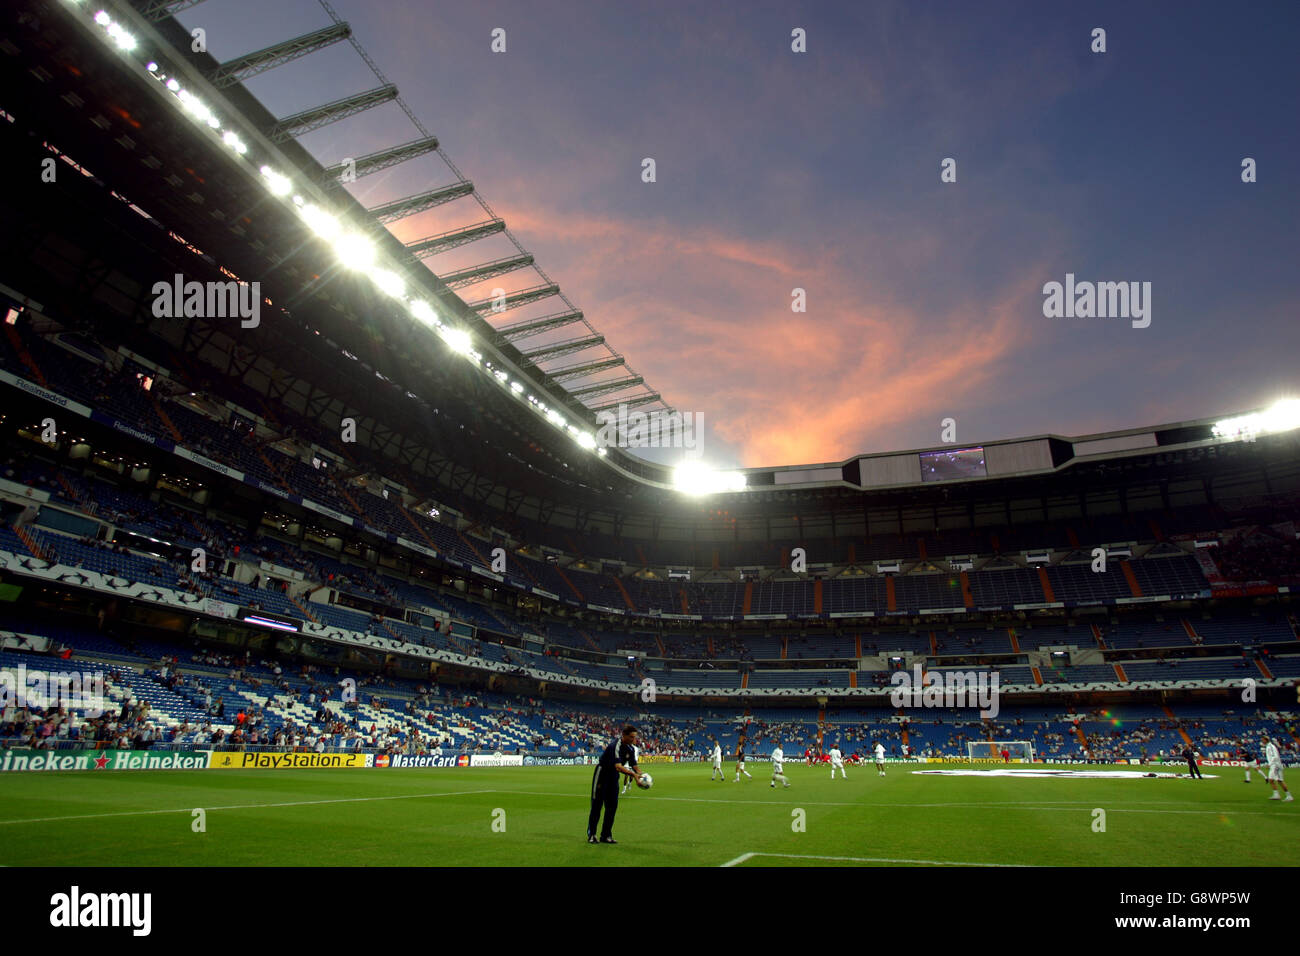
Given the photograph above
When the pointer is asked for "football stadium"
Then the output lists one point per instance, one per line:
(332, 542)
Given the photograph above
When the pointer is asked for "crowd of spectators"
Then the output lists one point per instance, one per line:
(1263, 556)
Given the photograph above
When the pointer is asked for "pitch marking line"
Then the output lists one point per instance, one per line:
(1078, 808)
(244, 806)
(745, 857)
(547, 793)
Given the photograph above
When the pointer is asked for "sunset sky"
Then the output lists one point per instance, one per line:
(821, 171)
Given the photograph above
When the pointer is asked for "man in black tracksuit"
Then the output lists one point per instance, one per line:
(619, 759)
(1193, 770)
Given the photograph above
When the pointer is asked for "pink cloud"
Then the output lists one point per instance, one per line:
(706, 318)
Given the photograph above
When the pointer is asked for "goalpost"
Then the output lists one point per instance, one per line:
(1020, 751)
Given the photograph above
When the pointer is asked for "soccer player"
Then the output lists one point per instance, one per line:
(619, 758)
(1274, 759)
(718, 773)
(740, 763)
(837, 761)
(628, 781)
(1247, 756)
(778, 767)
(1192, 770)
(880, 757)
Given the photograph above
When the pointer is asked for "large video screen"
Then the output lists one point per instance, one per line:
(958, 463)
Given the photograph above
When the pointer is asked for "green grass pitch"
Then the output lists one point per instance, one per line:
(448, 817)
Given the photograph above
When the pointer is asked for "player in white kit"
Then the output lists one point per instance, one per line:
(1275, 770)
(778, 767)
(837, 762)
(880, 758)
(718, 773)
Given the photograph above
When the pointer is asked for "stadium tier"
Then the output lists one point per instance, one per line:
(158, 697)
(244, 421)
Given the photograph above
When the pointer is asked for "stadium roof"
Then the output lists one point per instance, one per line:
(497, 429)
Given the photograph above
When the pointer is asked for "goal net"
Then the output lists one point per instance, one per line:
(1018, 751)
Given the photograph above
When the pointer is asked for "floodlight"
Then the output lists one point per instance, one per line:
(276, 182)
(354, 251)
(1282, 415)
(390, 283)
(458, 340)
(423, 313)
(321, 222)
(694, 478)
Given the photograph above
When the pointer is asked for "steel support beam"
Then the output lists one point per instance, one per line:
(455, 238)
(585, 369)
(381, 160)
(646, 399)
(529, 327)
(486, 270)
(567, 347)
(251, 64)
(604, 388)
(515, 299)
(155, 10)
(319, 116)
(411, 205)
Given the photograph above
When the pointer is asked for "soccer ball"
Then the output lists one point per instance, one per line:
(645, 781)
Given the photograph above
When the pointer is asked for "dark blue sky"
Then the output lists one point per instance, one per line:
(820, 171)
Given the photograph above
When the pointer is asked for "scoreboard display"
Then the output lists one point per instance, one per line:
(950, 465)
